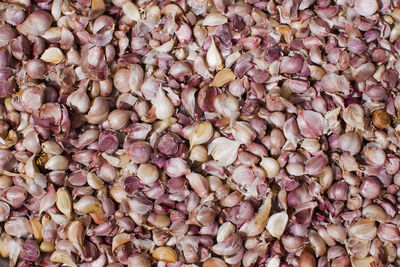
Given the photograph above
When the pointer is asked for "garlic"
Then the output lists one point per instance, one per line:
(163, 105)
(63, 257)
(56, 9)
(57, 163)
(214, 58)
(64, 202)
(361, 262)
(121, 80)
(223, 77)
(202, 133)
(165, 47)
(226, 105)
(270, 166)
(214, 262)
(354, 116)
(277, 223)
(118, 119)
(98, 111)
(311, 145)
(136, 78)
(79, 101)
(198, 153)
(147, 173)
(120, 239)
(166, 254)
(198, 183)
(366, 7)
(223, 150)
(224, 231)
(131, 10)
(76, 234)
(214, 19)
(36, 23)
(94, 181)
(37, 228)
(52, 55)
(364, 229)
(243, 132)
(47, 247)
(52, 147)
(87, 204)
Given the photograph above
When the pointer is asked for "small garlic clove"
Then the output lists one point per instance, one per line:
(56, 9)
(257, 225)
(52, 147)
(363, 229)
(166, 254)
(223, 150)
(53, 55)
(366, 7)
(243, 132)
(214, 19)
(199, 184)
(226, 105)
(47, 247)
(64, 201)
(37, 228)
(200, 66)
(224, 231)
(213, 57)
(136, 78)
(354, 116)
(202, 133)
(270, 166)
(163, 105)
(57, 163)
(94, 181)
(79, 101)
(63, 257)
(361, 262)
(87, 204)
(36, 23)
(223, 77)
(214, 262)
(76, 234)
(277, 223)
(148, 173)
(165, 47)
(131, 10)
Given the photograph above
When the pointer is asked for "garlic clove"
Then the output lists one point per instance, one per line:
(202, 133)
(213, 57)
(166, 254)
(223, 77)
(52, 55)
(277, 223)
(64, 201)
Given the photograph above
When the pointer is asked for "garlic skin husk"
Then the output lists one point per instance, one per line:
(163, 105)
